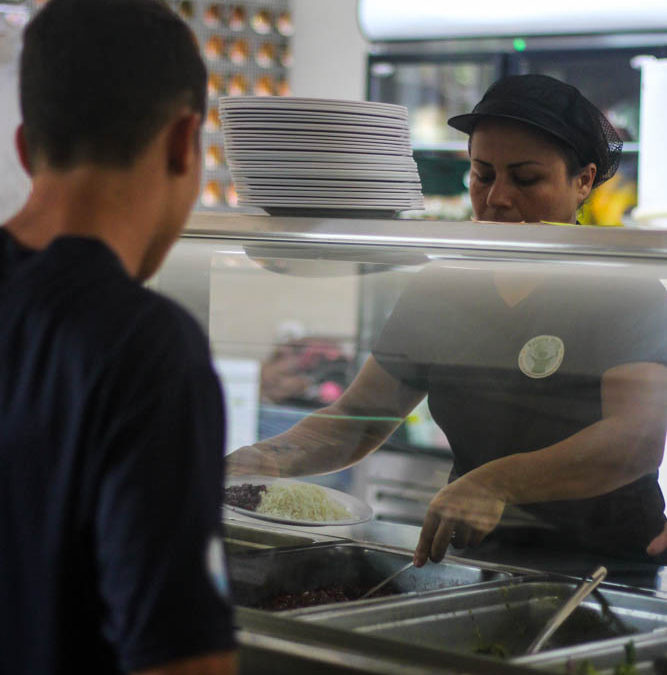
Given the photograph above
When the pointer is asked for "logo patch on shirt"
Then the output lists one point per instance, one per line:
(541, 356)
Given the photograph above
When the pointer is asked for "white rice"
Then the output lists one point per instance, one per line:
(301, 501)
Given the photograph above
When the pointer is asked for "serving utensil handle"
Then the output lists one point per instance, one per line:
(585, 589)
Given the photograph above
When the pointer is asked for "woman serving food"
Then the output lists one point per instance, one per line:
(551, 387)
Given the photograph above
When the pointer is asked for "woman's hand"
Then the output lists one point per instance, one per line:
(462, 513)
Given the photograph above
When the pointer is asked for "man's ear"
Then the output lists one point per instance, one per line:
(22, 149)
(183, 143)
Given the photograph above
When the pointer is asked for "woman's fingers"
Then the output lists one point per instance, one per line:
(462, 513)
(429, 528)
(443, 536)
(462, 535)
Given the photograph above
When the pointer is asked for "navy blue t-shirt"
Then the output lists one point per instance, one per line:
(111, 445)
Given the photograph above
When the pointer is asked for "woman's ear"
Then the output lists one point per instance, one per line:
(584, 182)
(22, 149)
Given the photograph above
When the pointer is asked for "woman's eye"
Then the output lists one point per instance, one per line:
(526, 181)
(484, 177)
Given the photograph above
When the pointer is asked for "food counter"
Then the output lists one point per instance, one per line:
(437, 619)
(293, 306)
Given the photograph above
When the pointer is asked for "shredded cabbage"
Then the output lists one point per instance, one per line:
(301, 501)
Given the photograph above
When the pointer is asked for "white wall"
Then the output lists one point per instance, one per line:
(14, 183)
(329, 50)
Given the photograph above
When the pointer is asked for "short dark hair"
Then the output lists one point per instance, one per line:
(99, 79)
(557, 109)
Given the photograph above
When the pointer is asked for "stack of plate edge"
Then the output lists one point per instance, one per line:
(295, 153)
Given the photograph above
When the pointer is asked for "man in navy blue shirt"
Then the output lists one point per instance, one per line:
(111, 427)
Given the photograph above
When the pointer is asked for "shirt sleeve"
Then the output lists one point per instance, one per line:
(158, 502)
(630, 322)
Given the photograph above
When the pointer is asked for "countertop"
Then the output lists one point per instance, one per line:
(644, 575)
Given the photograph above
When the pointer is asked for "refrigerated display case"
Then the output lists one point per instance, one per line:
(437, 79)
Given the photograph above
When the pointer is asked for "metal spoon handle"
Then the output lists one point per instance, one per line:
(384, 582)
(557, 619)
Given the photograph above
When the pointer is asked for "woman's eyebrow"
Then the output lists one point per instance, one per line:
(513, 165)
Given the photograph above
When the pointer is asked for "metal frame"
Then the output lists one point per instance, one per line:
(467, 238)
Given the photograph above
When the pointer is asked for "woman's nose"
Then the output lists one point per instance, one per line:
(500, 194)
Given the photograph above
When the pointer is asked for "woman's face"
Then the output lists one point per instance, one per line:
(518, 175)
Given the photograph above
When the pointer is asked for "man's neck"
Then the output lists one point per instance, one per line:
(89, 201)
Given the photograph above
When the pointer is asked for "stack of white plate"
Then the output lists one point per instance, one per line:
(290, 154)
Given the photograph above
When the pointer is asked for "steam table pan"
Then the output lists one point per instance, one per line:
(257, 577)
(502, 620)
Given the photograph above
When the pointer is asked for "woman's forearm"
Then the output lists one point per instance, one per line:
(327, 440)
(601, 458)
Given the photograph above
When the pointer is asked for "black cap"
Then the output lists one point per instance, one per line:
(555, 107)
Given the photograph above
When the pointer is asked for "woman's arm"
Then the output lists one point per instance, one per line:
(335, 437)
(627, 443)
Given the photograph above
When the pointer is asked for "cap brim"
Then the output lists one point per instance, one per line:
(467, 123)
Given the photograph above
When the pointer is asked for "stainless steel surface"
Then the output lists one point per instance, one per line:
(650, 653)
(399, 485)
(384, 582)
(507, 616)
(268, 579)
(238, 539)
(582, 592)
(287, 642)
(467, 237)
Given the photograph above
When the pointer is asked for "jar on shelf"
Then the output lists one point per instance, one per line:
(283, 88)
(238, 85)
(285, 56)
(231, 197)
(237, 18)
(239, 51)
(214, 49)
(215, 86)
(264, 86)
(214, 157)
(265, 56)
(213, 15)
(284, 24)
(211, 194)
(186, 9)
(212, 124)
(261, 22)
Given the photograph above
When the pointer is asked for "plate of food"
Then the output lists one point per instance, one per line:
(294, 502)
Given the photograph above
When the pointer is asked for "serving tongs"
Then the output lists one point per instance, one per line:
(583, 591)
(384, 582)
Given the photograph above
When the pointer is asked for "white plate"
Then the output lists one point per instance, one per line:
(317, 167)
(388, 205)
(360, 511)
(341, 185)
(229, 118)
(318, 156)
(328, 104)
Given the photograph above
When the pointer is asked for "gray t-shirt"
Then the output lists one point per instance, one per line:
(505, 379)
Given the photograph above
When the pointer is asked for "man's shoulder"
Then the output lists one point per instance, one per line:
(79, 286)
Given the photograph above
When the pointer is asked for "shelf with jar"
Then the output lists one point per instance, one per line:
(247, 50)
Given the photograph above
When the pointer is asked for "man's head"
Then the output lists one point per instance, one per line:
(100, 78)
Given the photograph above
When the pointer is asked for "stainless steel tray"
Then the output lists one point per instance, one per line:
(510, 615)
(650, 654)
(257, 577)
(238, 539)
